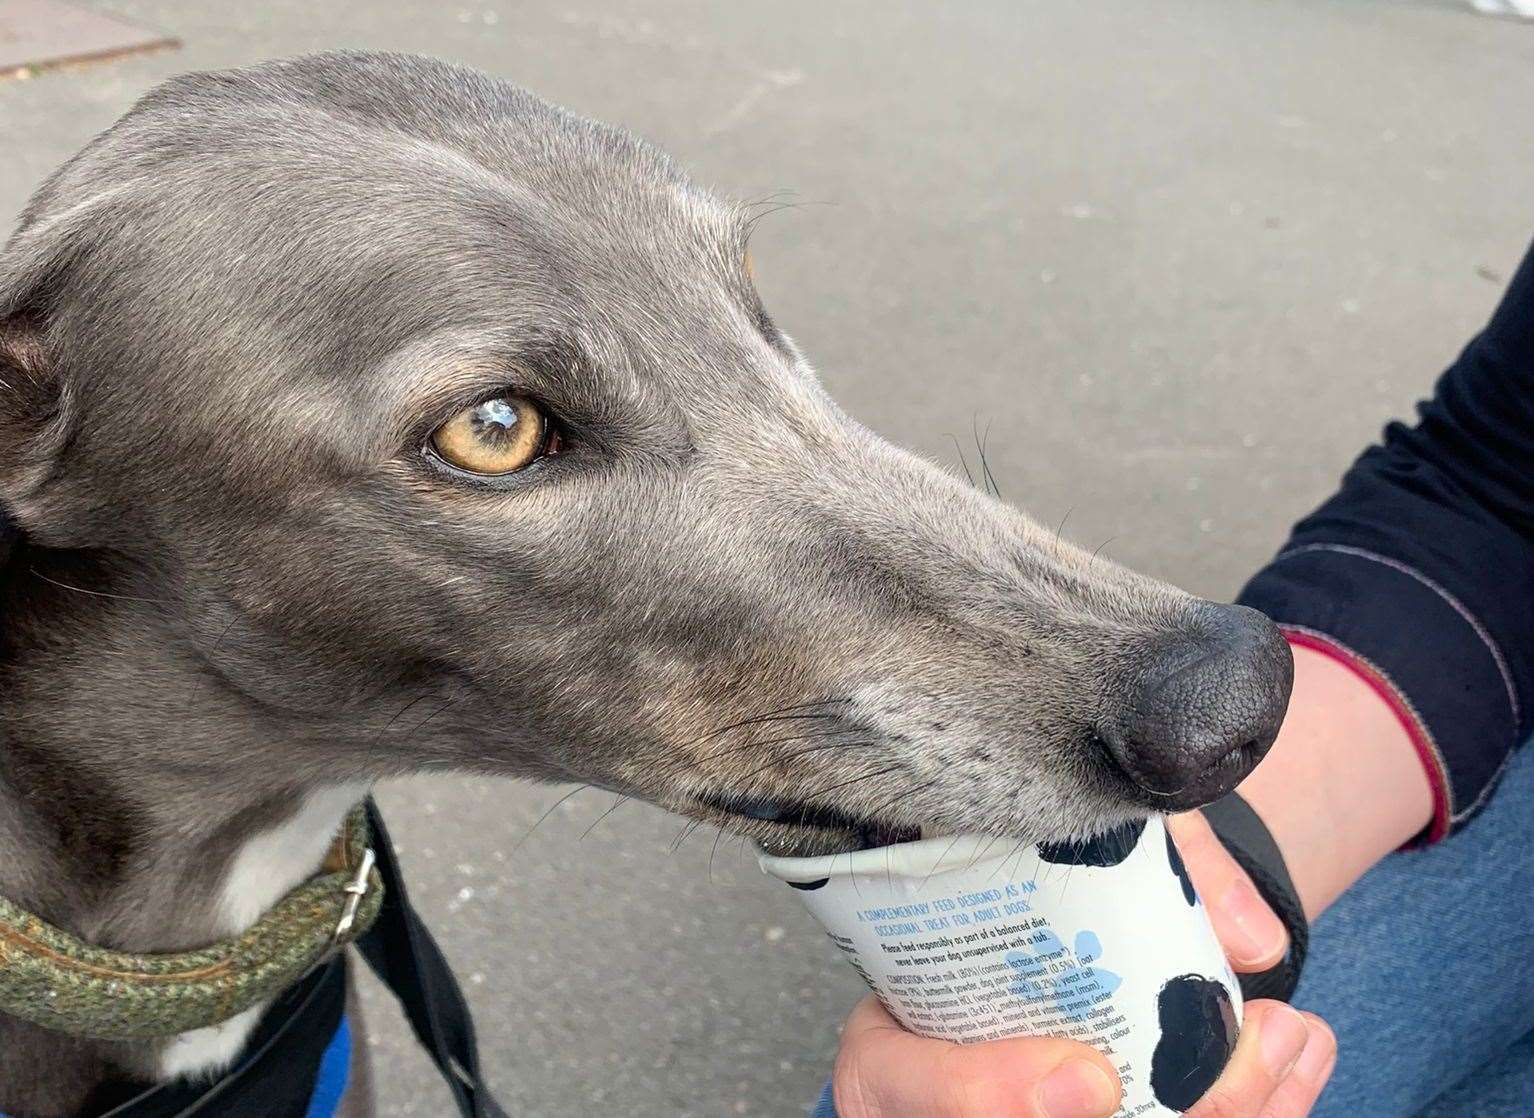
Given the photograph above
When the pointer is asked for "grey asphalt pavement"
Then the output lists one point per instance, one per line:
(1180, 258)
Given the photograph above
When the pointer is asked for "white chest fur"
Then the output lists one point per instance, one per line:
(268, 866)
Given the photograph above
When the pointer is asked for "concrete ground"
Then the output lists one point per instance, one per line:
(1182, 258)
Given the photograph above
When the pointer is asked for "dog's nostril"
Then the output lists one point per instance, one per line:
(1206, 707)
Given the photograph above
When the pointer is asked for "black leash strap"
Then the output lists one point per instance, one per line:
(1250, 842)
(404, 955)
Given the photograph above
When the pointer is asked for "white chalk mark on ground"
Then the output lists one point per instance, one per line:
(770, 82)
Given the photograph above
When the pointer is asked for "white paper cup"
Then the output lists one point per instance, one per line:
(973, 938)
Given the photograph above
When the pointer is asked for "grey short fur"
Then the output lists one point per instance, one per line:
(228, 327)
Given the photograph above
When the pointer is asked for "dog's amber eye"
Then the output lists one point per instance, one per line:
(499, 436)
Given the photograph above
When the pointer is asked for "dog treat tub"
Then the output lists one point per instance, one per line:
(973, 938)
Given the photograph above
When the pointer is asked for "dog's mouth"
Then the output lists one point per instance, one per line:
(788, 827)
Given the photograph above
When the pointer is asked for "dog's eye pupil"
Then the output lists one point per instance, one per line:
(497, 436)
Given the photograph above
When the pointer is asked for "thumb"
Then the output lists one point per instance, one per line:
(883, 1071)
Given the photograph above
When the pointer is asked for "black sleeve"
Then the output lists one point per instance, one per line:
(1419, 571)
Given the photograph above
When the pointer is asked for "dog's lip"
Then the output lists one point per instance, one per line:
(798, 817)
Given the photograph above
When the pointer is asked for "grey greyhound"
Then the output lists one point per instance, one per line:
(364, 413)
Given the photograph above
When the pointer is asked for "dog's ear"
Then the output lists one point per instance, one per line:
(35, 399)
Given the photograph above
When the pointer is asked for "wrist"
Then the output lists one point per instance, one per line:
(1343, 785)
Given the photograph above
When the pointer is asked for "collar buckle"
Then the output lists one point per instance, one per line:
(355, 890)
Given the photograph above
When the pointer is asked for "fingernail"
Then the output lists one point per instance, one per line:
(1078, 1089)
(1252, 934)
(1284, 1033)
(1319, 1055)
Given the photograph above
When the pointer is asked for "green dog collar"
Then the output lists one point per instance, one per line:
(58, 981)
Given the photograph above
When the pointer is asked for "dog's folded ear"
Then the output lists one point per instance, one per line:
(35, 398)
(31, 403)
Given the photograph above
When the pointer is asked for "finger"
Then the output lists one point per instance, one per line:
(1273, 1036)
(1254, 938)
(883, 1071)
(1300, 1089)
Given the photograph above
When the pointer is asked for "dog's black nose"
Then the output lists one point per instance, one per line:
(1206, 707)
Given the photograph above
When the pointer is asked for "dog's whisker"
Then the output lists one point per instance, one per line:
(717, 754)
(691, 826)
(1017, 852)
(781, 714)
(208, 657)
(771, 198)
(684, 764)
(1059, 528)
(767, 210)
(798, 753)
(736, 782)
(873, 815)
(963, 460)
(616, 804)
(540, 820)
(373, 742)
(981, 445)
(985, 460)
(790, 713)
(421, 725)
(939, 862)
(810, 796)
(718, 837)
(975, 857)
(98, 593)
(797, 712)
(909, 790)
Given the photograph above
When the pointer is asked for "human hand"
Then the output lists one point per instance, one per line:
(1278, 1068)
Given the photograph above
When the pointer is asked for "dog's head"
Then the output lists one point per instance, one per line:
(447, 428)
